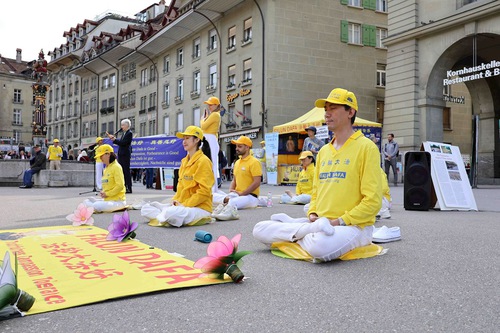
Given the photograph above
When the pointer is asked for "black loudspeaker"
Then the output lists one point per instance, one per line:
(418, 182)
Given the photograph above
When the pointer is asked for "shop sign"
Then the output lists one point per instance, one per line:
(482, 71)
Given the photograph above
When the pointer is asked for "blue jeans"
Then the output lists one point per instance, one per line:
(28, 174)
(149, 177)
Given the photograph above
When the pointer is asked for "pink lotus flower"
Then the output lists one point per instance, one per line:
(82, 215)
(222, 257)
(121, 229)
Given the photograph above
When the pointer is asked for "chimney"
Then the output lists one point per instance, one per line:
(19, 55)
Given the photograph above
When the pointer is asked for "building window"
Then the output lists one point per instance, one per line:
(355, 3)
(111, 103)
(70, 89)
(212, 40)
(380, 111)
(447, 90)
(143, 104)
(381, 6)
(180, 57)
(57, 94)
(142, 129)
(77, 87)
(93, 128)
(212, 77)
(380, 75)
(132, 122)
(166, 95)
(104, 127)
(93, 83)
(447, 118)
(85, 86)
(93, 105)
(247, 113)
(166, 64)
(17, 96)
(230, 113)
(152, 101)
(231, 77)
(196, 116)
(152, 127)
(354, 33)
(196, 82)
(124, 72)
(231, 38)
(63, 92)
(247, 31)
(70, 110)
(381, 34)
(180, 90)
(144, 77)
(105, 83)
(17, 120)
(131, 98)
(166, 125)
(86, 107)
(247, 71)
(196, 48)
(152, 73)
(180, 122)
(461, 3)
(124, 101)
(131, 70)
(112, 80)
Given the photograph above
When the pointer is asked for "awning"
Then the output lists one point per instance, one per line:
(315, 117)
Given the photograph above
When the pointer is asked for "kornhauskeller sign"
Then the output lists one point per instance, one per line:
(482, 71)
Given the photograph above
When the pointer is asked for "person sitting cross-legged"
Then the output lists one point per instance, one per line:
(304, 186)
(347, 190)
(245, 186)
(192, 203)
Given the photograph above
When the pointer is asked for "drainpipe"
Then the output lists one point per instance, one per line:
(262, 103)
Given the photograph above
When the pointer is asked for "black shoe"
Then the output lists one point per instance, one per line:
(128, 191)
(24, 186)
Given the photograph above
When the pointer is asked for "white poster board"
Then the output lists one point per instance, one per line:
(322, 132)
(272, 157)
(449, 177)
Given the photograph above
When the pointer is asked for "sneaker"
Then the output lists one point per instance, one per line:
(218, 209)
(230, 212)
(385, 234)
(385, 214)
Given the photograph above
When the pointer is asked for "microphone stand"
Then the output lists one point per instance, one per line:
(95, 187)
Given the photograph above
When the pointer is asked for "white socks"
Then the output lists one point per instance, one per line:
(282, 217)
(320, 225)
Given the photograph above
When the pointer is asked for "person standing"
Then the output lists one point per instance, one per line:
(312, 143)
(113, 183)
(391, 151)
(37, 163)
(124, 144)
(261, 156)
(99, 166)
(210, 124)
(347, 190)
(192, 203)
(245, 186)
(54, 154)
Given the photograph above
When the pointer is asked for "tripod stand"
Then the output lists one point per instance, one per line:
(92, 157)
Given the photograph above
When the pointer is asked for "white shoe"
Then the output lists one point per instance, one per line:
(384, 215)
(218, 209)
(385, 234)
(230, 212)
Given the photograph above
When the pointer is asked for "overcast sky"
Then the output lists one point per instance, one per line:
(33, 24)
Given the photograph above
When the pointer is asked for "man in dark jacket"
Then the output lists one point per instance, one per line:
(37, 163)
(124, 151)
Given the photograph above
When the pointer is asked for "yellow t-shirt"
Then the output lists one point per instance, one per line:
(54, 152)
(386, 192)
(211, 124)
(113, 182)
(244, 170)
(305, 181)
(97, 159)
(347, 182)
(196, 179)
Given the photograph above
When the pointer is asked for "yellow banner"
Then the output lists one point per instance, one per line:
(67, 266)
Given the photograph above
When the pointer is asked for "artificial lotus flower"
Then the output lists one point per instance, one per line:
(82, 215)
(121, 229)
(12, 299)
(222, 257)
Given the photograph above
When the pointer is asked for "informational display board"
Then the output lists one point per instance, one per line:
(449, 177)
(272, 157)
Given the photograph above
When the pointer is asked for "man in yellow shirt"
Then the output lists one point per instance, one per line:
(347, 190)
(54, 154)
(245, 186)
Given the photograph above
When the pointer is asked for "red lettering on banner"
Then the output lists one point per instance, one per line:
(150, 264)
(179, 278)
(48, 291)
(170, 269)
(140, 257)
(101, 242)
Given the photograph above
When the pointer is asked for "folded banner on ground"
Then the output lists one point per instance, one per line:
(67, 266)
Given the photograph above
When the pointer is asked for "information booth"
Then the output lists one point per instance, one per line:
(293, 134)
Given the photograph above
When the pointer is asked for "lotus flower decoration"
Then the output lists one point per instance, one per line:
(82, 215)
(12, 299)
(223, 258)
(121, 229)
